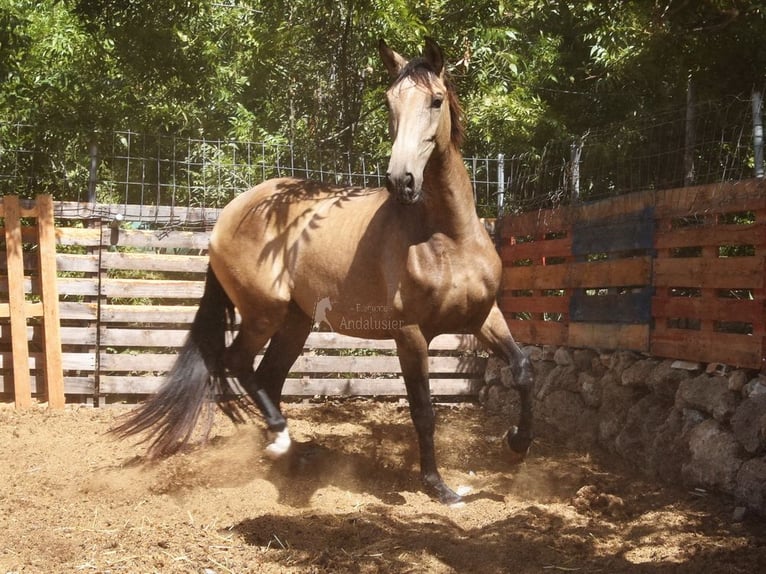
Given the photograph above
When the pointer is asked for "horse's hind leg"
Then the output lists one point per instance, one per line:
(495, 334)
(265, 384)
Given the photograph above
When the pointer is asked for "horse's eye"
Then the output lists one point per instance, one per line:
(437, 102)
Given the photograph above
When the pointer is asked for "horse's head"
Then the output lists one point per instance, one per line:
(423, 117)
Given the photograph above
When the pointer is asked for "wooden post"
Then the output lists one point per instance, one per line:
(22, 389)
(54, 374)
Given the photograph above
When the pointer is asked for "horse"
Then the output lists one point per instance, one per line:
(413, 253)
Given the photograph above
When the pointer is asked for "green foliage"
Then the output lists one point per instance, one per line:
(527, 71)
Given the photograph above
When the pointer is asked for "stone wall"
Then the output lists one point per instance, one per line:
(703, 426)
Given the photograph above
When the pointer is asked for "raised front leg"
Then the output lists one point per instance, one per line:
(413, 356)
(495, 334)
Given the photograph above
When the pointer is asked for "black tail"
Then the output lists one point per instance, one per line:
(197, 377)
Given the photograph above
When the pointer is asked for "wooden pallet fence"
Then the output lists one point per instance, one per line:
(29, 303)
(536, 250)
(129, 296)
(679, 273)
(610, 305)
(709, 274)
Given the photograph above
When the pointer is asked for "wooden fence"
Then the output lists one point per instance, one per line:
(127, 296)
(30, 299)
(675, 273)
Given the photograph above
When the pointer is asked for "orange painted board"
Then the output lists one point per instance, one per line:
(22, 391)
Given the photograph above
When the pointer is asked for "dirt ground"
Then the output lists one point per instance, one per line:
(73, 499)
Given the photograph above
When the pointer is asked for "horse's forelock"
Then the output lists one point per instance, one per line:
(421, 72)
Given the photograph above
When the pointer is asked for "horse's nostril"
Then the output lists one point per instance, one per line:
(409, 179)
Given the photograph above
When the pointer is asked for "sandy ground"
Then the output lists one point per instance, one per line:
(73, 499)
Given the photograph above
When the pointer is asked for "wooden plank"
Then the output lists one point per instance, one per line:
(743, 351)
(78, 236)
(716, 235)
(152, 288)
(160, 239)
(70, 361)
(609, 336)
(155, 262)
(722, 197)
(76, 287)
(714, 273)
(538, 277)
(143, 338)
(633, 307)
(31, 309)
(159, 214)
(538, 332)
(624, 232)
(22, 393)
(536, 223)
(76, 310)
(72, 385)
(394, 387)
(615, 206)
(720, 309)
(536, 250)
(156, 314)
(612, 273)
(54, 377)
(69, 335)
(532, 304)
(77, 263)
(148, 362)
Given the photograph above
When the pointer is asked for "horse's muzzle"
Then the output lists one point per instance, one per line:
(403, 188)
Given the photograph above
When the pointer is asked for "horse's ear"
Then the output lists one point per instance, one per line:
(433, 55)
(391, 60)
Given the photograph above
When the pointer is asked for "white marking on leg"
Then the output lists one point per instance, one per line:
(279, 445)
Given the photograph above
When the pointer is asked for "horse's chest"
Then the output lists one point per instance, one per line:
(451, 282)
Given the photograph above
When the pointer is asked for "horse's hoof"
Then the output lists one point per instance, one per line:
(517, 445)
(279, 445)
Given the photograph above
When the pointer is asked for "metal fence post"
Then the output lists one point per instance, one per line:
(758, 132)
(500, 183)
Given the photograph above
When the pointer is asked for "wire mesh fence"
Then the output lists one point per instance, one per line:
(671, 149)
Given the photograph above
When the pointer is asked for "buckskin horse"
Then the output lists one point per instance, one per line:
(414, 254)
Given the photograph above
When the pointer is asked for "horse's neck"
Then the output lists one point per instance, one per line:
(449, 195)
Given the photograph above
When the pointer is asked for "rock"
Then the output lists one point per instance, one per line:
(715, 458)
(590, 389)
(492, 372)
(664, 379)
(560, 377)
(562, 357)
(635, 440)
(533, 352)
(497, 399)
(717, 369)
(737, 380)
(691, 418)
(637, 375)
(621, 360)
(755, 387)
(585, 359)
(548, 352)
(619, 400)
(739, 514)
(749, 424)
(565, 412)
(669, 450)
(751, 485)
(687, 365)
(709, 394)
